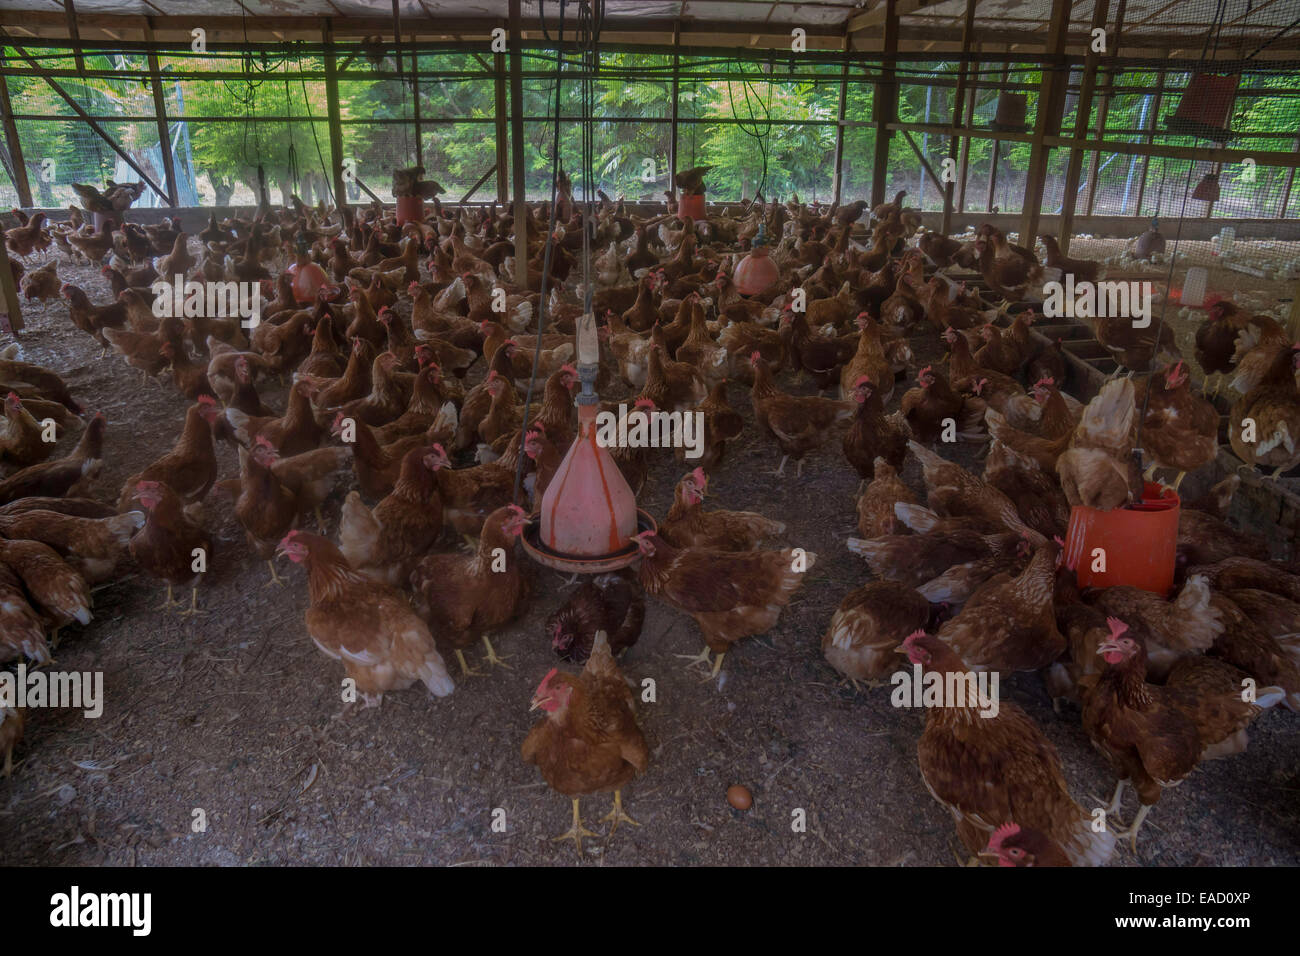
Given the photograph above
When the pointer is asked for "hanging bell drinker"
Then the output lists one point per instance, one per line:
(756, 271)
(1207, 190)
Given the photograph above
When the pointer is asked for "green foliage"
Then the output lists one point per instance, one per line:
(785, 143)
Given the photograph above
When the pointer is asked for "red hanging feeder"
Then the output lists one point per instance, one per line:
(410, 209)
(588, 515)
(1205, 108)
(692, 206)
(1138, 544)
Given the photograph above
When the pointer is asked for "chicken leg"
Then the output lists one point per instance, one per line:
(780, 469)
(171, 602)
(617, 815)
(577, 831)
(276, 580)
(465, 669)
(1132, 831)
(493, 659)
(1116, 800)
(194, 604)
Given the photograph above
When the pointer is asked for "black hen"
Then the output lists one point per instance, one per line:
(613, 603)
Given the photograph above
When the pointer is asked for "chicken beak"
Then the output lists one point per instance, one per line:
(537, 702)
(1106, 647)
(987, 855)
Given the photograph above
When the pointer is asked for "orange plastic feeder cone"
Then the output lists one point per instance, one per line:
(588, 514)
(1135, 546)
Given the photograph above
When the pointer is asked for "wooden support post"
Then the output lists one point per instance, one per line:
(502, 128)
(74, 35)
(517, 144)
(1082, 120)
(1108, 89)
(967, 29)
(164, 131)
(332, 110)
(839, 120)
(9, 289)
(964, 165)
(76, 108)
(19, 171)
(1047, 122)
(672, 126)
(1152, 125)
(884, 105)
(993, 175)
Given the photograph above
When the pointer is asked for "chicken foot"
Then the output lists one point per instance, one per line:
(617, 815)
(704, 657)
(465, 669)
(171, 602)
(1132, 830)
(577, 831)
(494, 659)
(194, 604)
(276, 580)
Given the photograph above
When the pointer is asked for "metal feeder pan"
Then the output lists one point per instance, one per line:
(596, 564)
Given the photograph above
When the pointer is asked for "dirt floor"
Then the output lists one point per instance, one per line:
(236, 713)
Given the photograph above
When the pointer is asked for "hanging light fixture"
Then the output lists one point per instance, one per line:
(1207, 190)
(756, 271)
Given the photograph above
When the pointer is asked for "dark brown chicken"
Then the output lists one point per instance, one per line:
(613, 603)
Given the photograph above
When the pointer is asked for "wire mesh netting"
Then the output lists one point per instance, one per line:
(763, 122)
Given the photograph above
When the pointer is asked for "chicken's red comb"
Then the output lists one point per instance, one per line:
(546, 680)
(910, 641)
(1117, 627)
(927, 369)
(13, 397)
(569, 368)
(1001, 835)
(265, 442)
(755, 355)
(145, 484)
(699, 477)
(862, 380)
(644, 402)
(207, 400)
(1045, 382)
